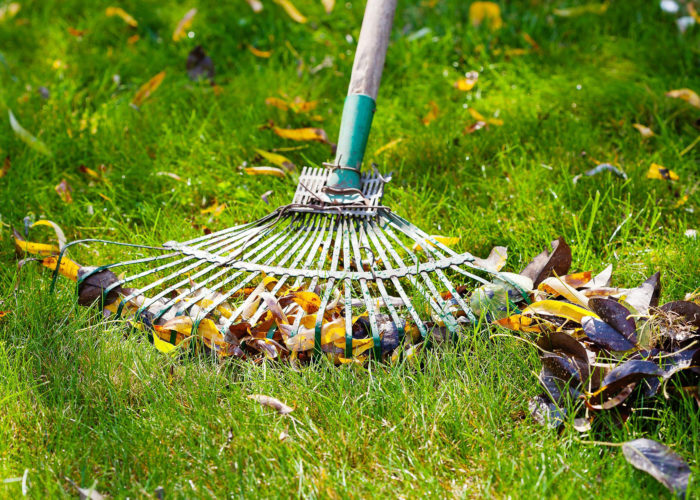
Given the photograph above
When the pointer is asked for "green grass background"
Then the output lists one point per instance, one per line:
(79, 400)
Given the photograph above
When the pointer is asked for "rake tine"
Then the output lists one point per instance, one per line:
(347, 284)
(329, 287)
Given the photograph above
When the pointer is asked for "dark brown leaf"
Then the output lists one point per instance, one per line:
(200, 65)
(660, 462)
(604, 335)
(91, 286)
(631, 371)
(557, 262)
(615, 315)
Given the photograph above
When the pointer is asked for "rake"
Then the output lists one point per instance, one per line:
(335, 239)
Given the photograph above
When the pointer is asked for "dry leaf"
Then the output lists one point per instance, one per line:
(481, 118)
(467, 83)
(199, 65)
(591, 8)
(215, 209)
(485, 11)
(432, 114)
(64, 191)
(26, 137)
(274, 171)
(273, 403)
(67, 267)
(60, 236)
(685, 94)
(265, 54)
(119, 12)
(276, 159)
(133, 39)
(291, 10)
(328, 5)
(662, 173)
(184, 24)
(33, 248)
(5, 167)
(75, 32)
(147, 89)
(302, 134)
(644, 130)
(559, 309)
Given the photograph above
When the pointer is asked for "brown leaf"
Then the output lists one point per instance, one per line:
(147, 89)
(199, 65)
(5, 167)
(660, 462)
(273, 403)
(557, 262)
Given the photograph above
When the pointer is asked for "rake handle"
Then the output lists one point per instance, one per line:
(359, 107)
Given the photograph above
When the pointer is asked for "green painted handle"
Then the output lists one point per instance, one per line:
(359, 107)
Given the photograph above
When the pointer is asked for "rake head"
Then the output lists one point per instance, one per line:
(310, 275)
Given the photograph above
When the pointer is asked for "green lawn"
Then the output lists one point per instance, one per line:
(79, 401)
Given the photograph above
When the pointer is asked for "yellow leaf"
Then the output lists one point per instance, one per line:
(661, 173)
(9, 11)
(162, 345)
(432, 114)
(133, 39)
(485, 11)
(693, 13)
(184, 24)
(147, 89)
(26, 137)
(34, 248)
(302, 134)
(479, 117)
(60, 236)
(556, 286)
(64, 191)
(467, 83)
(301, 106)
(685, 94)
(274, 171)
(215, 209)
(389, 145)
(259, 53)
(291, 10)
(256, 5)
(276, 159)
(559, 309)
(119, 12)
(328, 5)
(644, 130)
(520, 323)
(445, 240)
(591, 8)
(681, 201)
(278, 103)
(67, 268)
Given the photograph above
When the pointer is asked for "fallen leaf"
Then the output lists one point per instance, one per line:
(273, 403)
(389, 145)
(531, 41)
(660, 462)
(5, 167)
(119, 12)
(91, 286)
(467, 83)
(604, 335)
(26, 137)
(291, 10)
(265, 54)
(485, 11)
(133, 39)
(75, 32)
(215, 209)
(199, 65)
(34, 248)
(479, 117)
(662, 173)
(147, 89)
(685, 94)
(66, 268)
(432, 114)
(302, 134)
(495, 261)
(274, 171)
(89, 172)
(60, 236)
(277, 159)
(184, 24)
(591, 8)
(559, 309)
(328, 5)
(547, 264)
(64, 191)
(615, 315)
(519, 323)
(644, 130)
(556, 286)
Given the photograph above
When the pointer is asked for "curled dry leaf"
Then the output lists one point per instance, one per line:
(660, 462)
(121, 13)
(265, 54)
(184, 24)
(485, 12)
(302, 134)
(147, 89)
(558, 309)
(273, 171)
(662, 173)
(685, 94)
(644, 130)
(277, 159)
(557, 262)
(60, 236)
(273, 403)
(291, 10)
(64, 191)
(26, 137)
(495, 261)
(33, 248)
(66, 268)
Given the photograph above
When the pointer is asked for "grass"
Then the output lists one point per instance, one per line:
(78, 400)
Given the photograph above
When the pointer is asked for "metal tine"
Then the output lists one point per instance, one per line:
(366, 229)
(347, 284)
(317, 229)
(329, 284)
(444, 279)
(380, 286)
(443, 310)
(324, 252)
(230, 230)
(416, 284)
(302, 236)
(225, 296)
(269, 245)
(226, 240)
(180, 272)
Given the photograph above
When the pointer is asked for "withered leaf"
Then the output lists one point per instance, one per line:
(545, 412)
(147, 89)
(546, 264)
(628, 372)
(92, 285)
(273, 403)
(660, 462)
(199, 64)
(690, 311)
(604, 335)
(5, 167)
(615, 315)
